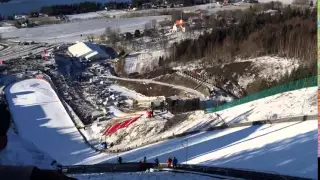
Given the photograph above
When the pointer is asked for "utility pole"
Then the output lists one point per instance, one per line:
(186, 146)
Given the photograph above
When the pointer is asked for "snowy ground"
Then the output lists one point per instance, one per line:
(21, 152)
(271, 68)
(141, 176)
(131, 94)
(243, 74)
(84, 16)
(41, 119)
(278, 148)
(71, 32)
(15, 51)
(287, 148)
(7, 29)
(142, 61)
(300, 102)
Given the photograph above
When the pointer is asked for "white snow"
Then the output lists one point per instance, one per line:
(131, 94)
(288, 104)
(282, 1)
(189, 66)
(141, 176)
(7, 29)
(23, 153)
(116, 112)
(271, 68)
(41, 119)
(300, 102)
(71, 32)
(84, 16)
(287, 148)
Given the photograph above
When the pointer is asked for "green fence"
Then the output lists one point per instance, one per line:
(302, 83)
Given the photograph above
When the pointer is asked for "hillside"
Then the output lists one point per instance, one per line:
(274, 144)
(302, 102)
(271, 148)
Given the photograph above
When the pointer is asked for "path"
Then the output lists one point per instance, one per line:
(192, 91)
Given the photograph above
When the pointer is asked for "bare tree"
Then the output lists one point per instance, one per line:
(90, 38)
(112, 35)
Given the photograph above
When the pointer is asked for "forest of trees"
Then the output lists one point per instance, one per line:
(83, 7)
(287, 33)
(4, 1)
(72, 8)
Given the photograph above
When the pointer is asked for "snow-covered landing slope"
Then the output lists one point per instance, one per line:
(22, 153)
(41, 119)
(286, 148)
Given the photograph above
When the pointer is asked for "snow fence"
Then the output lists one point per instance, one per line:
(294, 85)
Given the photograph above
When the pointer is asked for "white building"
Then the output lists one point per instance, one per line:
(18, 17)
(90, 51)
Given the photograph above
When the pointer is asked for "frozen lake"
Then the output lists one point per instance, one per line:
(71, 32)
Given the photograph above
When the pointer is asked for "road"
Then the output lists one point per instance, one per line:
(192, 91)
(14, 50)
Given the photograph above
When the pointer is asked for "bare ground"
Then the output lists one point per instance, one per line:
(151, 89)
(227, 76)
(153, 74)
(183, 81)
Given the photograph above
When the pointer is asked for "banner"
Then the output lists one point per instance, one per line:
(115, 127)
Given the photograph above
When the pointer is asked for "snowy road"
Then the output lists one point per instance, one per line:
(192, 91)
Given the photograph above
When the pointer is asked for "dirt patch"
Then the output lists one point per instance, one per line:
(228, 70)
(175, 120)
(151, 89)
(183, 81)
(45, 20)
(227, 76)
(153, 74)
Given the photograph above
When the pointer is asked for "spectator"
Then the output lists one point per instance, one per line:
(111, 144)
(22, 172)
(145, 160)
(120, 160)
(169, 161)
(175, 162)
(140, 165)
(157, 162)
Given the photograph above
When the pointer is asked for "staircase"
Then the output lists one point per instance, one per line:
(203, 80)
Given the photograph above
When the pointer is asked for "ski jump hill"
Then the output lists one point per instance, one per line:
(285, 148)
(40, 118)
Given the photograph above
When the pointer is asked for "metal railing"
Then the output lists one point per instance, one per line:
(137, 167)
(295, 85)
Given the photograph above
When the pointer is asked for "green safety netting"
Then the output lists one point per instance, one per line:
(299, 84)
